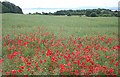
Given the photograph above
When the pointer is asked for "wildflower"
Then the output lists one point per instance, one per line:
(111, 70)
(25, 43)
(36, 63)
(19, 42)
(7, 73)
(62, 66)
(79, 38)
(82, 70)
(10, 56)
(20, 71)
(45, 60)
(41, 61)
(1, 61)
(22, 58)
(77, 72)
(28, 69)
(73, 53)
(54, 59)
(79, 45)
(74, 42)
(49, 52)
(22, 67)
(38, 69)
(25, 75)
(15, 53)
(13, 71)
(116, 64)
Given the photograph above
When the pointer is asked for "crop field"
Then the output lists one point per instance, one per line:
(59, 45)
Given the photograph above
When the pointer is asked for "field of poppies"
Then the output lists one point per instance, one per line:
(41, 53)
(59, 45)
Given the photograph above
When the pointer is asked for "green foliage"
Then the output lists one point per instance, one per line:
(0, 7)
(93, 14)
(8, 7)
(69, 14)
(88, 12)
(5, 9)
(62, 12)
(106, 15)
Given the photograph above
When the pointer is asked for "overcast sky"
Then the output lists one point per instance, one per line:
(64, 3)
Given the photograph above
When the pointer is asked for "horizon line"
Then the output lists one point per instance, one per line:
(115, 8)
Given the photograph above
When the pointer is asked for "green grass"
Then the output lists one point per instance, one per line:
(60, 25)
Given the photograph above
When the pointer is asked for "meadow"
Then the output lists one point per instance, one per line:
(59, 45)
(80, 26)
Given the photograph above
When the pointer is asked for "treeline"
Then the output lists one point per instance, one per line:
(87, 12)
(7, 7)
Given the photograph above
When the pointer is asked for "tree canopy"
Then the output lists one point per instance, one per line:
(88, 12)
(8, 7)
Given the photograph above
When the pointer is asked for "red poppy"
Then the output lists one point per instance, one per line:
(20, 71)
(15, 53)
(54, 59)
(38, 68)
(7, 73)
(14, 71)
(22, 67)
(49, 53)
(111, 70)
(116, 64)
(1, 61)
(25, 43)
(45, 60)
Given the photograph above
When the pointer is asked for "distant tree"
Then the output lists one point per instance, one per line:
(19, 10)
(50, 13)
(8, 7)
(69, 14)
(61, 12)
(118, 14)
(106, 15)
(88, 12)
(93, 14)
(98, 11)
(38, 13)
(30, 13)
(0, 7)
(105, 11)
(5, 9)
(43, 13)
